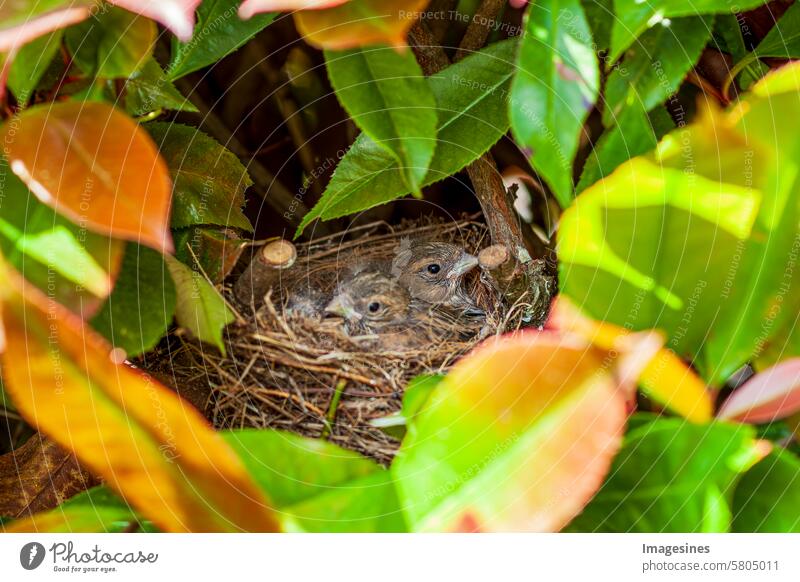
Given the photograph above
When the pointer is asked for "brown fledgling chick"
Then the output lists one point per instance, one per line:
(370, 301)
(434, 272)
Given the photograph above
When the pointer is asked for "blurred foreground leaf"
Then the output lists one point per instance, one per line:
(158, 452)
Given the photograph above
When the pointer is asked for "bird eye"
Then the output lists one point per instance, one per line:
(374, 307)
(434, 268)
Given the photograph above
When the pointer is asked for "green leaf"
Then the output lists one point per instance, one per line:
(139, 310)
(698, 239)
(471, 97)
(30, 64)
(633, 17)
(386, 94)
(765, 288)
(200, 309)
(317, 486)
(148, 89)
(655, 67)
(219, 31)
(74, 266)
(97, 510)
(635, 134)
(111, 44)
(729, 39)
(783, 40)
(671, 476)
(416, 394)
(600, 17)
(767, 498)
(554, 90)
(209, 181)
(216, 249)
(509, 451)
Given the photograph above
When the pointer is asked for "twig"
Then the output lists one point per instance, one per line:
(479, 28)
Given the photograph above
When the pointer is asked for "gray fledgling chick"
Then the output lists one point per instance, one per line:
(434, 272)
(370, 301)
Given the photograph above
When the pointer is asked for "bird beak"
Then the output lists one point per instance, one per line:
(464, 265)
(343, 307)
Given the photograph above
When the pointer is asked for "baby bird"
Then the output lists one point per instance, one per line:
(434, 272)
(370, 301)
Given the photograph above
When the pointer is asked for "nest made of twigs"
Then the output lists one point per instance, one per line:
(283, 371)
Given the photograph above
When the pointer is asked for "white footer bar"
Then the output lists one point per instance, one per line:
(402, 558)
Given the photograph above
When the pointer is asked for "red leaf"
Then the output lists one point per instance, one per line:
(767, 396)
(177, 15)
(95, 166)
(252, 7)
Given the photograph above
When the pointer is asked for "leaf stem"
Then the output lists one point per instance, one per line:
(734, 72)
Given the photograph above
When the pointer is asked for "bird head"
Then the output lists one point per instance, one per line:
(432, 271)
(370, 299)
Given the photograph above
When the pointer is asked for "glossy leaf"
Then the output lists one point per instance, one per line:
(472, 107)
(386, 94)
(520, 450)
(138, 312)
(728, 35)
(764, 289)
(148, 89)
(200, 308)
(783, 40)
(157, 452)
(100, 170)
(251, 7)
(30, 64)
(767, 498)
(37, 476)
(317, 486)
(663, 375)
(216, 250)
(218, 33)
(93, 511)
(767, 396)
(671, 476)
(686, 241)
(209, 181)
(655, 67)
(77, 268)
(21, 22)
(554, 89)
(634, 134)
(634, 17)
(111, 44)
(360, 23)
(176, 15)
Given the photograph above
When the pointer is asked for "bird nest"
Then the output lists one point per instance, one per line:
(309, 375)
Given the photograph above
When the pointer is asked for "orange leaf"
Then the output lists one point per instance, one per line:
(94, 165)
(177, 15)
(663, 375)
(530, 424)
(250, 8)
(359, 23)
(158, 452)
